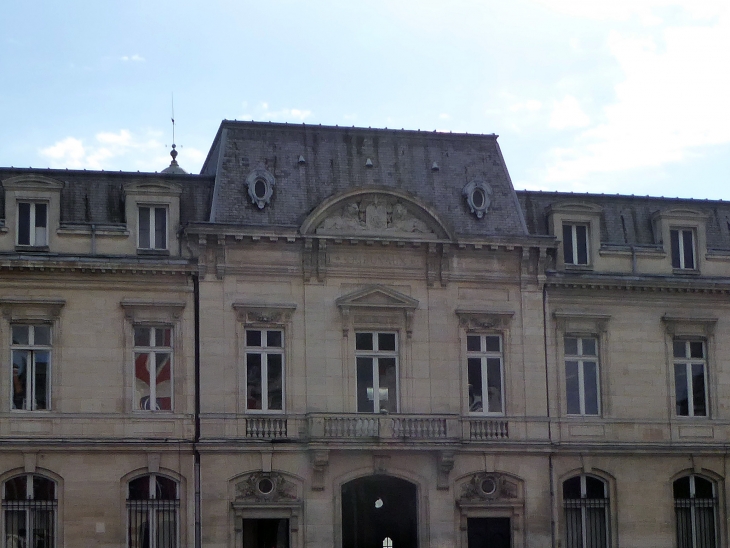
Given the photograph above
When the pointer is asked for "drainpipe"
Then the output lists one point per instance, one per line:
(550, 426)
(196, 440)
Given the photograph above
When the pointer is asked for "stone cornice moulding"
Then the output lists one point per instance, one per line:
(264, 313)
(27, 308)
(476, 320)
(581, 321)
(151, 311)
(32, 182)
(152, 188)
(687, 325)
(380, 298)
(574, 207)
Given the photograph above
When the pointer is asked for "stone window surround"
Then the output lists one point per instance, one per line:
(153, 194)
(576, 213)
(681, 218)
(486, 322)
(583, 324)
(32, 311)
(263, 316)
(610, 482)
(35, 189)
(679, 326)
(153, 314)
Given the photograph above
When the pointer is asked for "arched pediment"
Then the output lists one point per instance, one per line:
(575, 206)
(375, 212)
(32, 182)
(153, 188)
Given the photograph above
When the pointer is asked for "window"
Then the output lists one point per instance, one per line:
(586, 505)
(695, 505)
(29, 509)
(581, 376)
(683, 254)
(376, 355)
(33, 224)
(31, 369)
(152, 227)
(575, 244)
(153, 506)
(264, 370)
(484, 373)
(690, 387)
(153, 368)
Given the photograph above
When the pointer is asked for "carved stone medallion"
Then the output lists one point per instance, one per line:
(375, 215)
(487, 486)
(266, 487)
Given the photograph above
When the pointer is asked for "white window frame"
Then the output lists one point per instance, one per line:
(681, 258)
(575, 243)
(584, 504)
(32, 228)
(376, 354)
(582, 358)
(153, 244)
(265, 351)
(28, 506)
(30, 402)
(688, 362)
(152, 506)
(692, 504)
(483, 355)
(152, 352)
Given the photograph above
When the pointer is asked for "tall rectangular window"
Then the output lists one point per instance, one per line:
(683, 248)
(153, 227)
(582, 389)
(690, 386)
(153, 368)
(264, 370)
(31, 368)
(32, 224)
(376, 356)
(485, 373)
(575, 244)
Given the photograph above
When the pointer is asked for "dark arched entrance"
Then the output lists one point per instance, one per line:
(379, 512)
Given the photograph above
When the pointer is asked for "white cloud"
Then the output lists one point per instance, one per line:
(568, 114)
(134, 58)
(444, 116)
(264, 113)
(648, 12)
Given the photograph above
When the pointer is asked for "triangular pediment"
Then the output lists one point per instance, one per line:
(377, 296)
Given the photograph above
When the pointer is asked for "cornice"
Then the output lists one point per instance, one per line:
(94, 265)
(648, 284)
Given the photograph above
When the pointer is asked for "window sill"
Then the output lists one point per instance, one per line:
(32, 248)
(685, 271)
(153, 252)
(579, 267)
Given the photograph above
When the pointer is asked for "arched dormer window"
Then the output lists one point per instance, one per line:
(153, 508)
(586, 505)
(29, 508)
(695, 505)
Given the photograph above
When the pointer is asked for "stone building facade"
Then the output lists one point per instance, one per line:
(356, 337)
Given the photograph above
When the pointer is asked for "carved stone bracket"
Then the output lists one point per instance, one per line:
(26, 308)
(479, 320)
(314, 259)
(320, 462)
(445, 464)
(264, 314)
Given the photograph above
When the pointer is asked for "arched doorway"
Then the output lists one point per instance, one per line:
(379, 512)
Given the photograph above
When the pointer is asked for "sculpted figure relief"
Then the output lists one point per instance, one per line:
(374, 215)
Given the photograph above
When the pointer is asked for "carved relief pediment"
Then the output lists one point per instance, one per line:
(489, 487)
(377, 296)
(263, 487)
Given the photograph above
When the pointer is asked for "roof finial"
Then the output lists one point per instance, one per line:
(174, 167)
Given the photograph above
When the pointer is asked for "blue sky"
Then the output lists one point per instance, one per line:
(621, 96)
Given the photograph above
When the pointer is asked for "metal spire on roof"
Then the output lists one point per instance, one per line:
(174, 166)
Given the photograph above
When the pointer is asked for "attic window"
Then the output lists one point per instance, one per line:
(260, 186)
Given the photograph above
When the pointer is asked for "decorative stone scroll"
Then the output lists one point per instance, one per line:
(264, 314)
(374, 214)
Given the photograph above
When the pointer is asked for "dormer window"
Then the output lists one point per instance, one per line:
(33, 224)
(575, 244)
(152, 227)
(683, 248)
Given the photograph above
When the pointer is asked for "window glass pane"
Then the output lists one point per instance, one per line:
(696, 349)
(42, 335)
(680, 349)
(363, 341)
(493, 343)
(254, 386)
(365, 395)
(571, 488)
(589, 347)
(144, 227)
(689, 257)
(473, 343)
(273, 339)
(698, 390)
(43, 488)
(387, 381)
(474, 374)
(680, 388)
(681, 488)
(568, 244)
(21, 334)
(275, 381)
(494, 384)
(163, 381)
(674, 238)
(253, 337)
(703, 488)
(142, 381)
(16, 488)
(23, 224)
(571, 346)
(163, 336)
(40, 215)
(20, 378)
(595, 488)
(41, 385)
(590, 378)
(572, 389)
(160, 228)
(165, 489)
(142, 336)
(581, 232)
(139, 489)
(386, 341)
